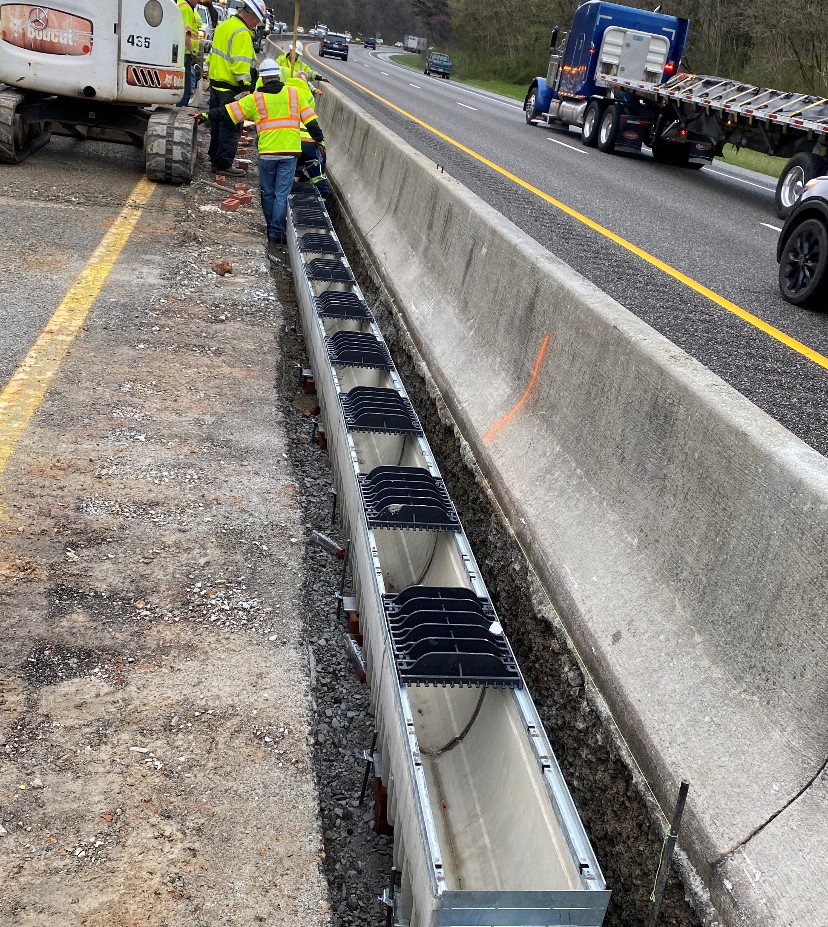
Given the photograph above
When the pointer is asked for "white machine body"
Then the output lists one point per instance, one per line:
(119, 51)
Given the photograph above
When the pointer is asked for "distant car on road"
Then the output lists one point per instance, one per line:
(398, 45)
(334, 44)
(438, 63)
(300, 30)
(802, 250)
(369, 43)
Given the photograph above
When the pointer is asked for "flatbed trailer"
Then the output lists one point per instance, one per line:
(617, 79)
(775, 122)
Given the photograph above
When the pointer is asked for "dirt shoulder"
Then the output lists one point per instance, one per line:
(155, 709)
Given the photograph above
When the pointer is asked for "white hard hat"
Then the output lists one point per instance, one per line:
(300, 48)
(257, 7)
(269, 68)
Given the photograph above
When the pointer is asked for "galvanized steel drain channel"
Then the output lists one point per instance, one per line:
(485, 830)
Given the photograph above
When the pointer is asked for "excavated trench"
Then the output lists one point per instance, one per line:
(622, 821)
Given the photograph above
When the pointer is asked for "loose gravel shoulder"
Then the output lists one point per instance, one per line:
(158, 735)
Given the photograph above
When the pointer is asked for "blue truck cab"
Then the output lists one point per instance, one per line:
(606, 40)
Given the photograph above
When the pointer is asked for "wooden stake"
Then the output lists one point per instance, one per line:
(295, 31)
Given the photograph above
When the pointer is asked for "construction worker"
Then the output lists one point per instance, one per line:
(291, 57)
(279, 117)
(310, 159)
(188, 13)
(231, 65)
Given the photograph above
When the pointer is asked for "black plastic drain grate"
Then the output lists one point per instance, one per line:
(336, 305)
(448, 637)
(406, 497)
(328, 271)
(314, 242)
(376, 408)
(308, 189)
(358, 349)
(311, 218)
(306, 200)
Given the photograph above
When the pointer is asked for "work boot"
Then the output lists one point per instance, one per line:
(233, 172)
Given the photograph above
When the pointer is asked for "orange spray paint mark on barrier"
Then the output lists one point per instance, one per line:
(514, 410)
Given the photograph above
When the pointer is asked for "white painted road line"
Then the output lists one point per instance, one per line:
(366, 65)
(385, 73)
(465, 106)
(415, 86)
(769, 226)
(570, 147)
(750, 183)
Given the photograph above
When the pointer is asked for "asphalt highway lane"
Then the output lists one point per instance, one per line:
(55, 208)
(717, 226)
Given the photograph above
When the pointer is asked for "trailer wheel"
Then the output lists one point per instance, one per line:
(529, 105)
(592, 124)
(170, 146)
(797, 172)
(803, 264)
(608, 130)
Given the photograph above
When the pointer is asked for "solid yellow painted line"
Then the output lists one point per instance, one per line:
(699, 288)
(27, 387)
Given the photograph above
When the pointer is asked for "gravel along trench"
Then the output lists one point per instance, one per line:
(158, 733)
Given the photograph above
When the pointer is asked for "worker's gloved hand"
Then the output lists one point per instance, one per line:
(202, 118)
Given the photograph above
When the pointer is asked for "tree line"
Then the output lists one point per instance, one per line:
(763, 42)
(390, 19)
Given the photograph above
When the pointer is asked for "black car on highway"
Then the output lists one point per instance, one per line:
(369, 43)
(802, 250)
(334, 45)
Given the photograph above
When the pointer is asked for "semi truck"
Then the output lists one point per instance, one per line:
(619, 79)
(415, 43)
(108, 70)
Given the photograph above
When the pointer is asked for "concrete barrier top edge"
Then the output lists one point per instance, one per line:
(723, 401)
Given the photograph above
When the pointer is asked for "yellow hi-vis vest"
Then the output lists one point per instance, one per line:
(232, 56)
(190, 28)
(278, 117)
(305, 97)
(284, 62)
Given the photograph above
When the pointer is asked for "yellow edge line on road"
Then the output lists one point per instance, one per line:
(27, 387)
(699, 288)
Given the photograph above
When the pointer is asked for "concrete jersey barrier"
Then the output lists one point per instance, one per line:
(680, 531)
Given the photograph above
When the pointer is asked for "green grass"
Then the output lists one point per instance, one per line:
(507, 89)
(753, 161)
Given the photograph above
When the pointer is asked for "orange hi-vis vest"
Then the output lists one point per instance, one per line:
(279, 118)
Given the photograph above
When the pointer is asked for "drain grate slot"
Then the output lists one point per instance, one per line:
(358, 349)
(376, 408)
(406, 497)
(444, 637)
(330, 271)
(311, 217)
(335, 305)
(304, 189)
(319, 243)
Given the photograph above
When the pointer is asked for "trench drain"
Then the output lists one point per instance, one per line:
(448, 637)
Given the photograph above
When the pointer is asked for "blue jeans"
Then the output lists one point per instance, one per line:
(188, 81)
(275, 180)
